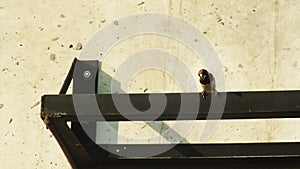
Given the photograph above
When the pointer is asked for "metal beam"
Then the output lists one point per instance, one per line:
(210, 150)
(239, 105)
(209, 163)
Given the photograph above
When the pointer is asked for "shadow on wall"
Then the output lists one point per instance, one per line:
(106, 132)
(105, 81)
(109, 130)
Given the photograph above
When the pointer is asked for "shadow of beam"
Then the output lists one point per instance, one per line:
(108, 136)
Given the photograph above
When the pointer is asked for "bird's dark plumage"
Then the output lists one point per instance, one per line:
(204, 76)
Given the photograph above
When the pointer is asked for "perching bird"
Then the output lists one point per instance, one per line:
(207, 82)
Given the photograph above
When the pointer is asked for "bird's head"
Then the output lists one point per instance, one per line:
(203, 74)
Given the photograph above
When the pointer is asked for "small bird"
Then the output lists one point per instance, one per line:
(207, 82)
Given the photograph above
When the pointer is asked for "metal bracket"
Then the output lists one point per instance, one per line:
(81, 152)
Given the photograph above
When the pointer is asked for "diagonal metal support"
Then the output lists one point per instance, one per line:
(68, 79)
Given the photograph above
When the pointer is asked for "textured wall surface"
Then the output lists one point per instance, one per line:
(257, 43)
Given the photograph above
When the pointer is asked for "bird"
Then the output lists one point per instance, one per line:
(207, 82)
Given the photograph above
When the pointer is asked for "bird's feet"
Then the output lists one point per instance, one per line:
(204, 94)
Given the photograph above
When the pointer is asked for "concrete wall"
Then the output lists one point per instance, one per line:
(256, 41)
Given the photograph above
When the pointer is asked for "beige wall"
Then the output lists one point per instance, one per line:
(256, 41)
